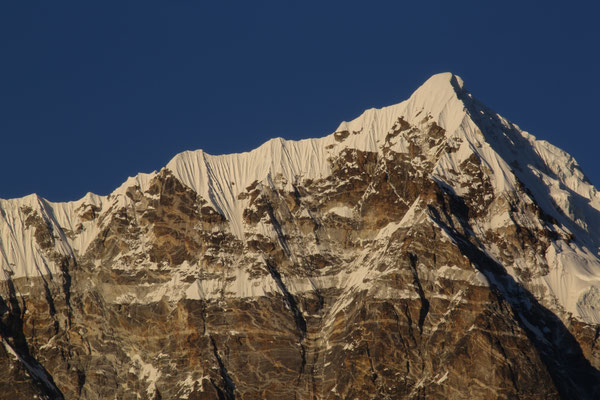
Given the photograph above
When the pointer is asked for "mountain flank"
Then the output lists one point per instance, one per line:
(426, 250)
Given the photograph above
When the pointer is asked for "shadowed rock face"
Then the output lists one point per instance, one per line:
(374, 282)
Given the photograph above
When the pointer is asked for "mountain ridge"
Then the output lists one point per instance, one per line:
(443, 96)
(403, 222)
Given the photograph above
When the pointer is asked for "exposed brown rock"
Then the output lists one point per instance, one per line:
(313, 302)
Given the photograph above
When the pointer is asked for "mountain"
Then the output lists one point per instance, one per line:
(430, 249)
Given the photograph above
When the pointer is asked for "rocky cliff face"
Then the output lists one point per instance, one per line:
(429, 249)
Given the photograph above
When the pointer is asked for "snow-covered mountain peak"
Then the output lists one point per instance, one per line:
(439, 96)
(439, 84)
(471, 134)
(433, 219)
(440, 132)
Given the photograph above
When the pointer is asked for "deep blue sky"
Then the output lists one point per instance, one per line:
(93, 92)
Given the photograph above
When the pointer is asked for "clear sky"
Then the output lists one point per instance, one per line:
(94, 92)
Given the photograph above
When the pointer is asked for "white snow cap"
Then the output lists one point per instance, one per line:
(551, 175)
(220, 179)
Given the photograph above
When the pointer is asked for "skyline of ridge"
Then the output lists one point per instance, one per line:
(91, 95)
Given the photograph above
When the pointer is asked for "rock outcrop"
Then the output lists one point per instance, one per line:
(427, 250)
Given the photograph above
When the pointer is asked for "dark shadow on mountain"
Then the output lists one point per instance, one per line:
(571, 372)
(517, 151)
(11, 331)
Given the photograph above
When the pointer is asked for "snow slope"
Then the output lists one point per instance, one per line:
(510, 157)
